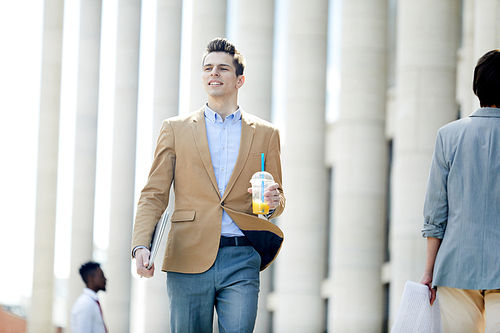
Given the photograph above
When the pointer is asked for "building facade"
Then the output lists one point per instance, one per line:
(392, 71)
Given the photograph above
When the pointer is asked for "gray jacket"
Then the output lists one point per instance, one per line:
(462, 203)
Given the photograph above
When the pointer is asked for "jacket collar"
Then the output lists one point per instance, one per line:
(200, 138)
(486, 112)
(247, 134)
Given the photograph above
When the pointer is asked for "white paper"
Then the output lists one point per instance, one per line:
(415, 314)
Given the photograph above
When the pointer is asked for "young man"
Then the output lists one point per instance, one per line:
(462, 212)
(86, 314)
(216, 245)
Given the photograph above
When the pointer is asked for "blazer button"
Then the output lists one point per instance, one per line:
(222, 203)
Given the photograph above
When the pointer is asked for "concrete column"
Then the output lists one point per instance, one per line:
(427, 43)
(254, 32)
(40, 317)
(254, 38)
(82, 227)
(116, 303)
(167, 70)
(300, 269)
(483, 18)
(486, 26)
(152, 293)
(466, 62)
(209, 22)
(360, 172)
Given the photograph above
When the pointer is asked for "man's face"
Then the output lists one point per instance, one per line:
(99, 280)
(219, 75)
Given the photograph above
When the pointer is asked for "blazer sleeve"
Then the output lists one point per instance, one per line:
(155, 195)
(436, 198)
(273, 166)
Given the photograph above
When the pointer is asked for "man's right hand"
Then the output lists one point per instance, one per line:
(142, 261)
(427, 280)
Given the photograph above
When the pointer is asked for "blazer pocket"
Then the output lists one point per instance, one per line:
(253, 156)
(254, 162)
(183, 216)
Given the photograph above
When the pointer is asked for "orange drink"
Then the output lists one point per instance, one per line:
(260, 207)
(260, 182)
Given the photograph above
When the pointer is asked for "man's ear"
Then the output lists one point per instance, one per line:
(241, 81)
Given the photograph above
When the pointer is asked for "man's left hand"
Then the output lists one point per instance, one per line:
(271, 195)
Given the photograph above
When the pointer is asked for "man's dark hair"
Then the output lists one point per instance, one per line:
(487, 79)
(88, 269)
(223, 45)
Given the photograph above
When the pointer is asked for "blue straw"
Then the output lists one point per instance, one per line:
(262, 175)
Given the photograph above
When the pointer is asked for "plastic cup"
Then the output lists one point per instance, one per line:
(260, 182)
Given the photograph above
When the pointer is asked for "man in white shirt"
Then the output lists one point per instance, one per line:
(86, 314)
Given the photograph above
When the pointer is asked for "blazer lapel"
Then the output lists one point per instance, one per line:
(200, 138)
(247, 133)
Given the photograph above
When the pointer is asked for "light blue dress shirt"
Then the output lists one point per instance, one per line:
(224, 145)
(462, 204)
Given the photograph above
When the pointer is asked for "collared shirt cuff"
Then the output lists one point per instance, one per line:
(430, 230)
(136, 248)
(268, 215)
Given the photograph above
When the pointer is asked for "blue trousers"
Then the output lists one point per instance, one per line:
(231, 286)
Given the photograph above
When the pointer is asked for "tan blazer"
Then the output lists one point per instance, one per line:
(182, 158)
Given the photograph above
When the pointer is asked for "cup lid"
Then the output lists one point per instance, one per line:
(262, 175)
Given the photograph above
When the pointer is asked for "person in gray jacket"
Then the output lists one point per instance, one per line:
(462, 212)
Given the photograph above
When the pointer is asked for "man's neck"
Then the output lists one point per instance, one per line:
(94, 289)
(222, 107)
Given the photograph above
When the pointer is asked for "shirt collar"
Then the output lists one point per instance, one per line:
(92, 294)
(213, 116)
(486, 112)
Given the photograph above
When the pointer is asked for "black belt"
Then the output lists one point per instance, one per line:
(234, 241)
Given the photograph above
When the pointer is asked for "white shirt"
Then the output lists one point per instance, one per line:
(85, 315)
